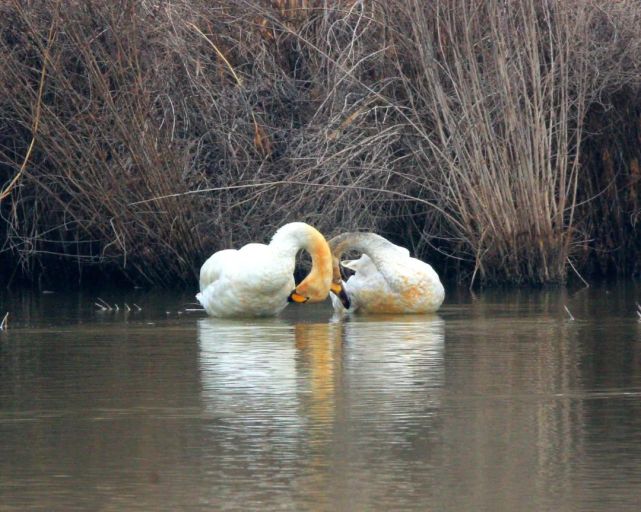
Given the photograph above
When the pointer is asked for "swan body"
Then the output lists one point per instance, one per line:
(386, 279)
(258, 279)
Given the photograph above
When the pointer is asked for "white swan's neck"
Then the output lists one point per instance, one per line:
(375, 246)
(368, 243)
(292, 237)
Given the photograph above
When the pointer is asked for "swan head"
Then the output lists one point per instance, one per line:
(338, 289)
(338, 285)
(309, 290)
(316, 285)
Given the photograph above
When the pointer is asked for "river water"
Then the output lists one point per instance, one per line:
(500, 402)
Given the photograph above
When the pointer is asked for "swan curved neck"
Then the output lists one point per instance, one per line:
(292, 237)
(368, 243)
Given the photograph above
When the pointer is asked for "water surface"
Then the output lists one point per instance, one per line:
(499, 402)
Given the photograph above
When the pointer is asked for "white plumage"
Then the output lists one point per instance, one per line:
(386, 279)
(258, 279)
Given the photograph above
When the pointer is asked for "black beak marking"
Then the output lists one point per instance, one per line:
(342, 296)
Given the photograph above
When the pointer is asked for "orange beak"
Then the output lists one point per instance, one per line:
(295, 297)
(338, 290)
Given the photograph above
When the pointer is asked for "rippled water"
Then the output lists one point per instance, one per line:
(500, 402)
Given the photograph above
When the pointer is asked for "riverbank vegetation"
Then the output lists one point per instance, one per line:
(499, 140)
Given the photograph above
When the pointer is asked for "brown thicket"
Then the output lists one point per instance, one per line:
(499, 139)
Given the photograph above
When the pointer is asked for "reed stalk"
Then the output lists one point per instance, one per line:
(477, 134)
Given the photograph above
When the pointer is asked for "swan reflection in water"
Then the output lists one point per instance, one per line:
(314, 406)
(276, 376)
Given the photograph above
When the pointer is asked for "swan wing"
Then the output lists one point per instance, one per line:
(363, 265)
(250, 281)
(402, 273)
(213, 269)
(258, 269)
(401, 252)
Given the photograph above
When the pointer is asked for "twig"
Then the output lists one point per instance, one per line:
(105, 303)
(138, 308)
(394, 193)
(587, 285)
(102, 308)
(639, 311)
(566, 308)
(127, 307)
(220, 54)
(36, 121)
(5, 322)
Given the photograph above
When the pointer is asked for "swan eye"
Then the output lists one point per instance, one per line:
(296, 297)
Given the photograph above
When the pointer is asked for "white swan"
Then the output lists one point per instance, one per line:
(258, 279)
(386, 280)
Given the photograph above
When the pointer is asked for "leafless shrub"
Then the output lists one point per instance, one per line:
(497, 121)
(170, 129)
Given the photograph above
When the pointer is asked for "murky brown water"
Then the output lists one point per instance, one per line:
(499, 402)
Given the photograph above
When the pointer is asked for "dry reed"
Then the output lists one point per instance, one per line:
(170, 129)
